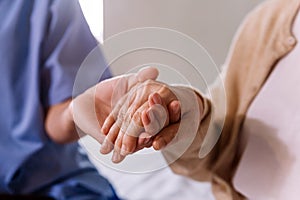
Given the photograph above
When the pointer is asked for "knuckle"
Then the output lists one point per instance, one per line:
(148, 81)
(121, 115)
(125, 124)
(137, 118)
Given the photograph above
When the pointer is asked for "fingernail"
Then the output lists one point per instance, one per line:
(124, 150)
(105, 147)
(157, 99)
(101, 139)
(116, 157)
(176, 108)
(104, 130)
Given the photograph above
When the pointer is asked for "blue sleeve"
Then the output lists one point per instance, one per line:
(67, 44)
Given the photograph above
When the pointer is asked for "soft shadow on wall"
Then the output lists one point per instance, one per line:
(211, 23)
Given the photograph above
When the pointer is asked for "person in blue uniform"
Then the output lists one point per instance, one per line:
(42, 45)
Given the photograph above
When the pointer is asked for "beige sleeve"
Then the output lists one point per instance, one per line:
(197, 160)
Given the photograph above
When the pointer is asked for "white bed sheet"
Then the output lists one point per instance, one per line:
(158, 185)
(162, 184)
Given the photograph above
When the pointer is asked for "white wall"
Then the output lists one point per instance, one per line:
(212, 23)
(93, 13)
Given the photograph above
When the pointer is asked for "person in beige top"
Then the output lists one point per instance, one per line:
(263, 40)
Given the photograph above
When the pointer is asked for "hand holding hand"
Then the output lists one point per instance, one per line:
(151, 108)
(139, 115)
(91, 108)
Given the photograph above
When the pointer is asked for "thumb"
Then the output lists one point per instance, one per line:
(125, 82)
(147, 73)
(110, 90)
(142, 75)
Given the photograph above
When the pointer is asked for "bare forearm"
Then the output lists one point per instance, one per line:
(59, 123)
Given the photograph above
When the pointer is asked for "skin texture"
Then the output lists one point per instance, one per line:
(89, 110)
(134, 111)
(137, 118)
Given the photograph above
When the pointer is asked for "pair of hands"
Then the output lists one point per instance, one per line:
(128, 113)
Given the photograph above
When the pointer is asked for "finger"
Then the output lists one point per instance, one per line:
(132, 130)
(149, 143)
(115, 133)
(116, 114)
(159, 112)
(108, 144)
(145, 118)
(118, 142)
(129, 144)
(155, 98)
(109, 121)
(108, 91)
(125, 82)
(140, 95)
(158, 117)
(117, 157)
(135, 126)
(163, 138)
(142, 75)
(143, 140)
(100, 138)
(147, 73)
(174, 110)
(112, 125)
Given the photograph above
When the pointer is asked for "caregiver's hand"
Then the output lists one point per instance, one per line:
(91, 108)
(140, 114)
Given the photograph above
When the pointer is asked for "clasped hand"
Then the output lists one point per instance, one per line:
(128, 113)
(137, 119)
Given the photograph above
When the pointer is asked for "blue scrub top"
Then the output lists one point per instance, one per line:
(42, 45)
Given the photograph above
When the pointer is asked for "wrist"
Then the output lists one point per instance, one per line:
(59, 123)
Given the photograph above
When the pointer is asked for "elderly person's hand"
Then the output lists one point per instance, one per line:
(138, 116)
(149, 108)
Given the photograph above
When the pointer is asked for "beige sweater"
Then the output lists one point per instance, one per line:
(263, 39)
